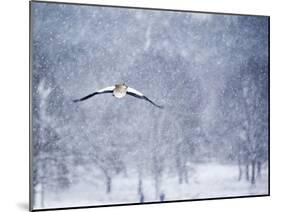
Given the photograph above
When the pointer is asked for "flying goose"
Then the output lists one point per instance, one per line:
(119, 91)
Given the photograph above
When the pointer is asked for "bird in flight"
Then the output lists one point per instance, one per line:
(119, 91)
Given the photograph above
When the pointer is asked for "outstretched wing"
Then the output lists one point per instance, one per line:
(133, 92)
(104, 90)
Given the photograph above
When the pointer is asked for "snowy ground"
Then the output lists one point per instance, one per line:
(206, 181)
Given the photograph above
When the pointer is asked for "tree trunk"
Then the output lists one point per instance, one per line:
(140, 192)
(42, 194)
(179, 168)
(240, 171)
(157, 169)
(42, 186)
(259, 169)
(141, 198)
(185, 175)
(33, 197)
(140, 186)
(157, 186)
(162, 197)
(253, 177)
(108, 184)
(180, 177)
(247, 172)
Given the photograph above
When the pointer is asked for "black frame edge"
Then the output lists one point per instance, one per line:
(144, 8)
(268, 105)
(30, 109)
(149, 203)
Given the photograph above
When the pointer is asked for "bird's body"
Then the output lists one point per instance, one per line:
(119, 91)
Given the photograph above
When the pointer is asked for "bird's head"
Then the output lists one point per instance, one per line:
(120, 85)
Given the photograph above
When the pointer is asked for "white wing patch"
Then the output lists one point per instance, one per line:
(134, 91)
(110, 88)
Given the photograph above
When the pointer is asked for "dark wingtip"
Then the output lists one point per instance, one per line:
(76, 100)
(159, 106)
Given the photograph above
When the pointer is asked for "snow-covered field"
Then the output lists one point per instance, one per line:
(206, 181)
